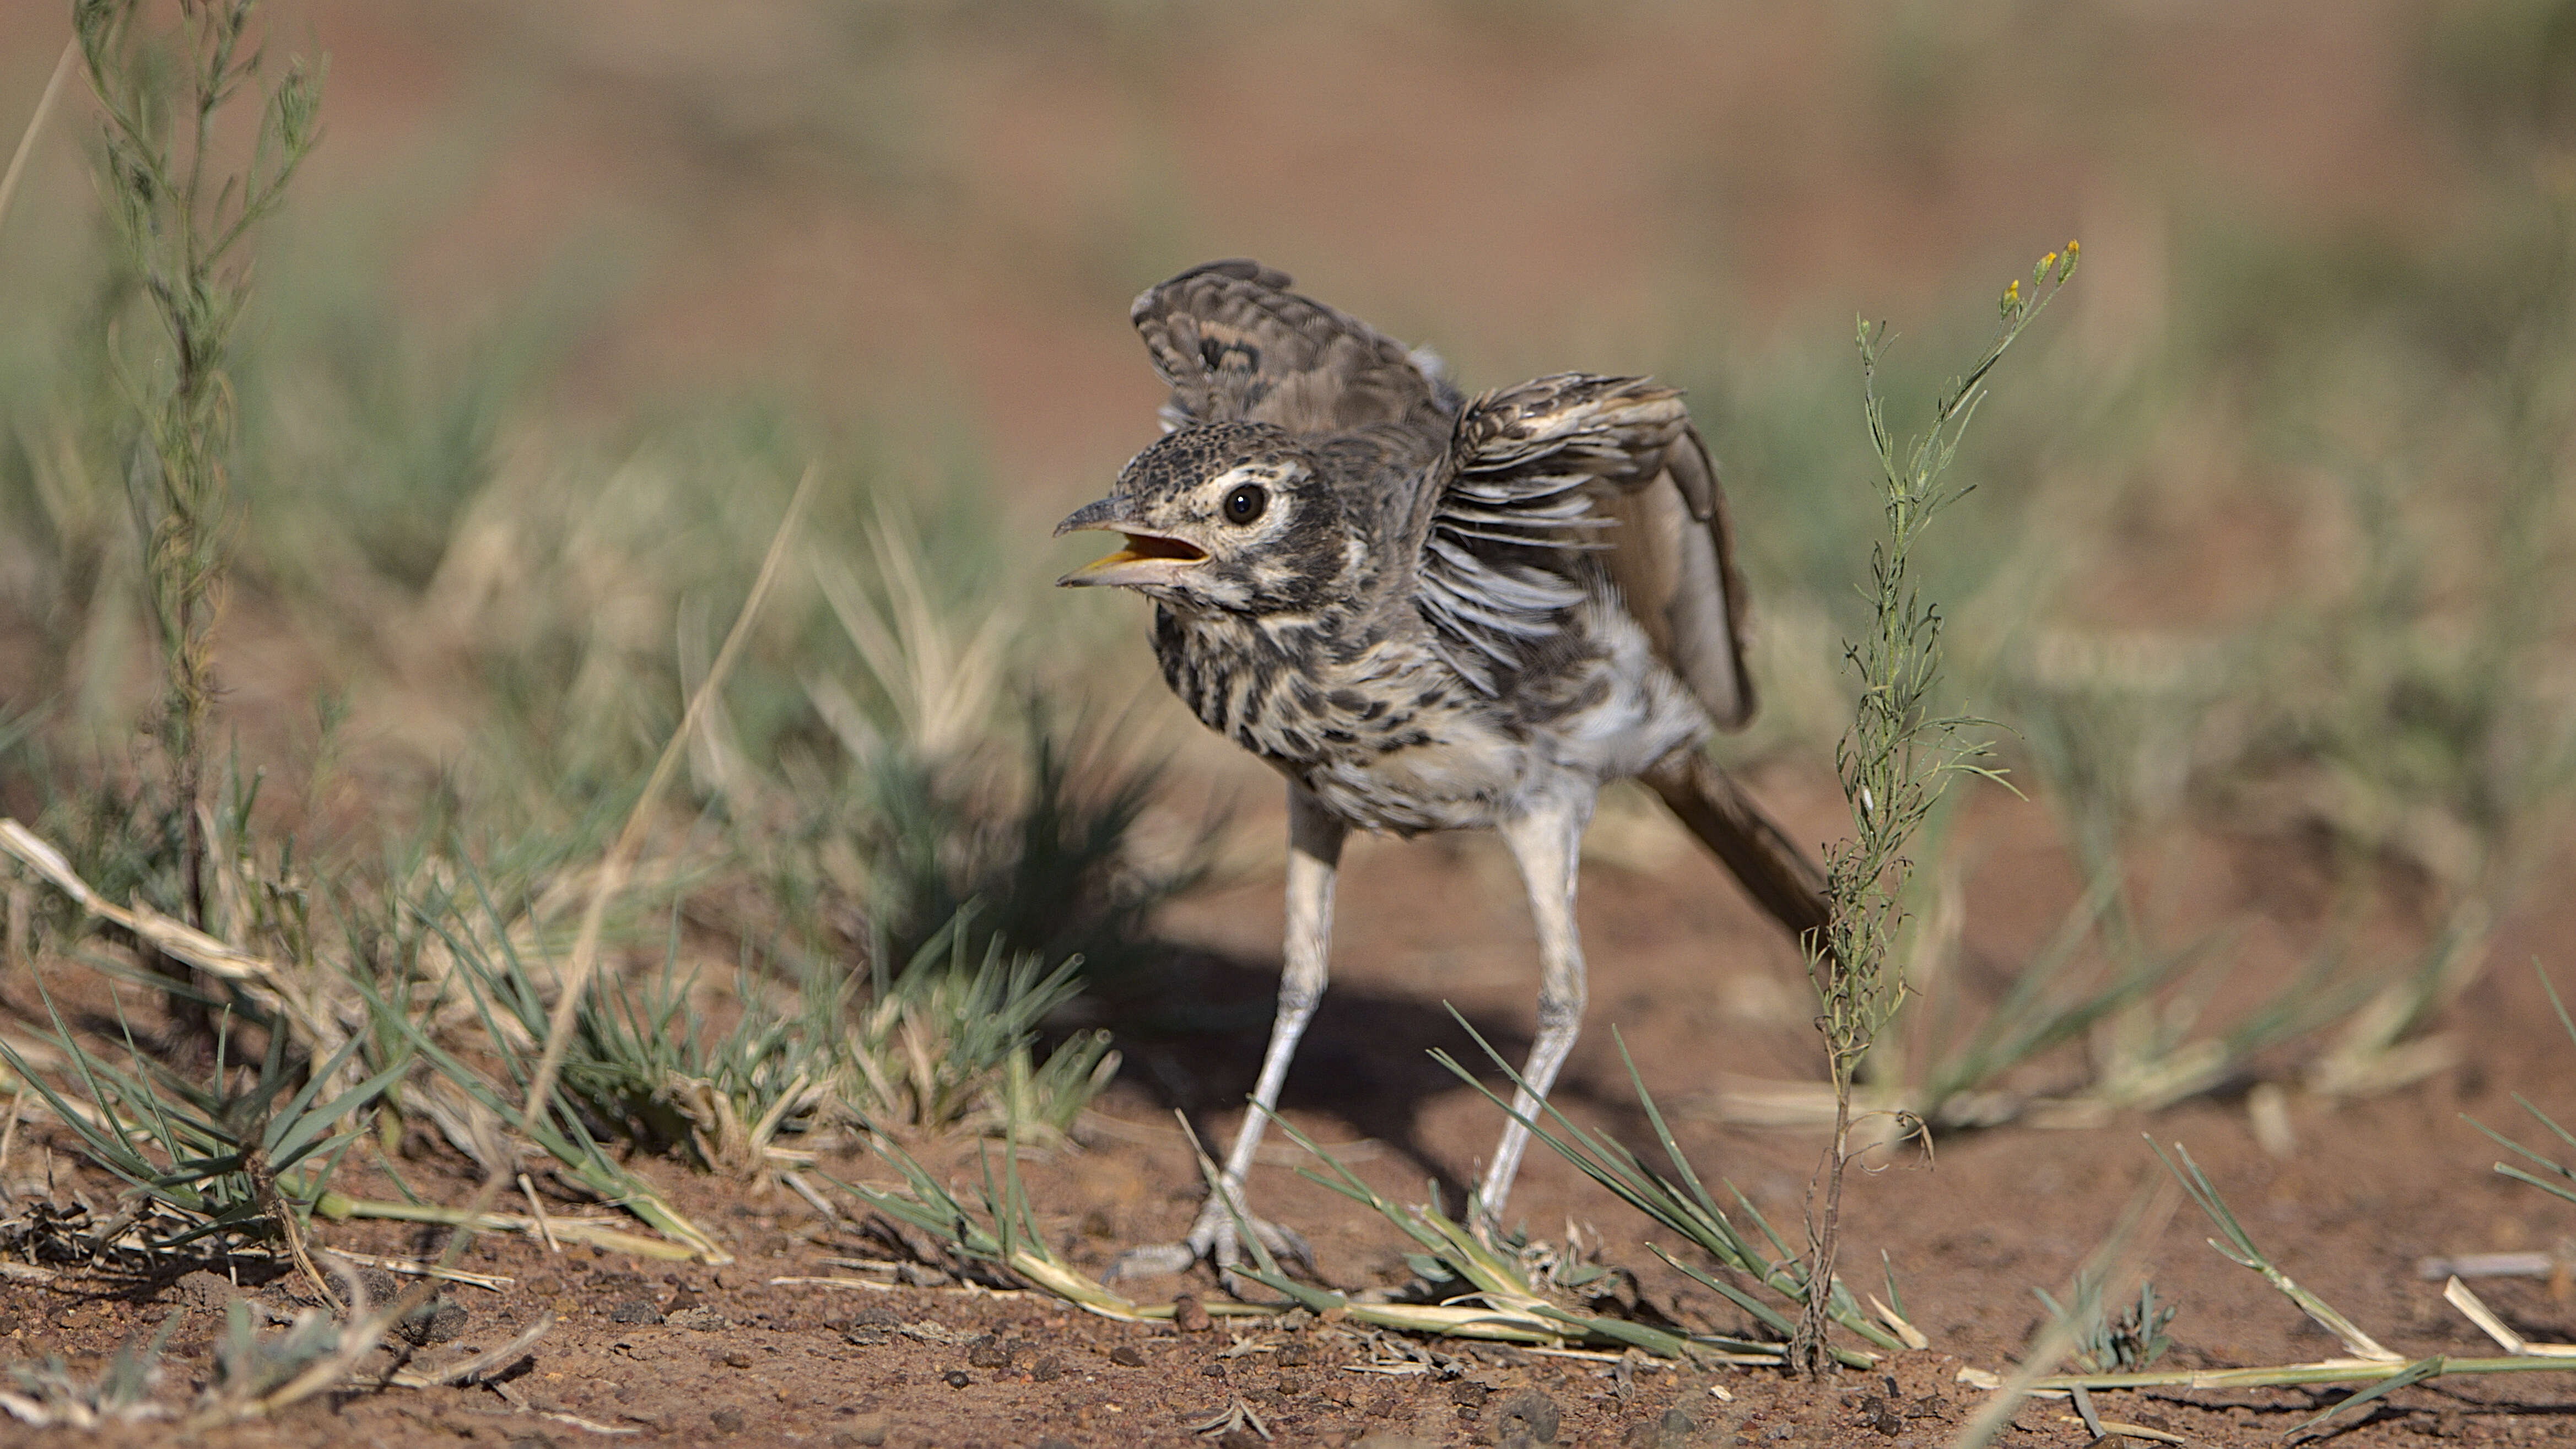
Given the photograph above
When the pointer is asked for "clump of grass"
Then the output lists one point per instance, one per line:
(960, 797)
(1757, 1271)
(1003, 1233)
(251, 1365)
(1894, 762)
(183, 214)
(513, 1011)
(46, 1394)
(2553, 1176)
(1487, 1291)
(949, 1043)
(239, 1158)
(1497, 1298)
(2366, 1361)
(2104, 1342)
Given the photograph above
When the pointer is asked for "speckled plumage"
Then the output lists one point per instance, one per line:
(1433, 613)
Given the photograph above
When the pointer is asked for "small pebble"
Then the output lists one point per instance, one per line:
(1526, 1418)
(871, 1326)
(634, 1310)
(436, 1321)
(957, 1378)
(1191, 1316)
(727, 1421)
(1290, 1355)
(737, 1358)
(1047, 1370)
(988, 1352)
(1127, 1355)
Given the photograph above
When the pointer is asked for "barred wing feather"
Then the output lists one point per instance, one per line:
(1603, 465)
(1236, 345)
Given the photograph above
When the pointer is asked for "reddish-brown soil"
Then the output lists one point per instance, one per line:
(2372, 1187)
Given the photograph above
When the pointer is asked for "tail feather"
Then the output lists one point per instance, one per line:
(1771, 868)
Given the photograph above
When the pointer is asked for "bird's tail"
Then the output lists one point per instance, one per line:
(1773, 870)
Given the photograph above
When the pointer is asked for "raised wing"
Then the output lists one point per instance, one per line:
(1236, 344)
(1605, 465)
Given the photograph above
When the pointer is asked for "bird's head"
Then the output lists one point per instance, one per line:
(1231, 516)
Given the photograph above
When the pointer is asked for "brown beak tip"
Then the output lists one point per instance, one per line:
(1090, 515)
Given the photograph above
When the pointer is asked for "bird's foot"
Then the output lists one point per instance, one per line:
(1215, 1238)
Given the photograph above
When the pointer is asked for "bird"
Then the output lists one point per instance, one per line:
(1431, 612)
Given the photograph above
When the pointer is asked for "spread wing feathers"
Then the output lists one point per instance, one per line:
(1607, 466)
(1674, 565)
(1236, 344)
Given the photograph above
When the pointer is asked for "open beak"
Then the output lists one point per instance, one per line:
(1148, 558)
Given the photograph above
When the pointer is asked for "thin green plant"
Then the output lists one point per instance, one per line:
(184, 214)
(1894, 763)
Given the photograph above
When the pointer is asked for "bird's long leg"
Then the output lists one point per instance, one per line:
(1314, 856)
(1547, 841)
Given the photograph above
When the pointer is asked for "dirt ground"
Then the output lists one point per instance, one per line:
(663, 1354)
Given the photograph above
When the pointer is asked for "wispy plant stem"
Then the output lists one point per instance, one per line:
(1894, 762)
(182, 213)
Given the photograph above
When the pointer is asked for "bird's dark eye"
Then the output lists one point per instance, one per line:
(1245, 503)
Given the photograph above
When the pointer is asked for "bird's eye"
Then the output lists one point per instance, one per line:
(1245, 503)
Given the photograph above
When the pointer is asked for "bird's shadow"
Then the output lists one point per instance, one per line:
(1193, 1024)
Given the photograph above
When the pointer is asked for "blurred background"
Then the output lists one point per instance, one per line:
(2267, 544)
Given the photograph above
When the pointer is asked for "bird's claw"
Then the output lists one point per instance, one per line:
(1216, 1239)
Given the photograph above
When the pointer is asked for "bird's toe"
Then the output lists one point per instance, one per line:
(1153, 1260)
(1285, 1243)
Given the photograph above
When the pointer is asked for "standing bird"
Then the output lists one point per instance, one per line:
(1431, 614)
